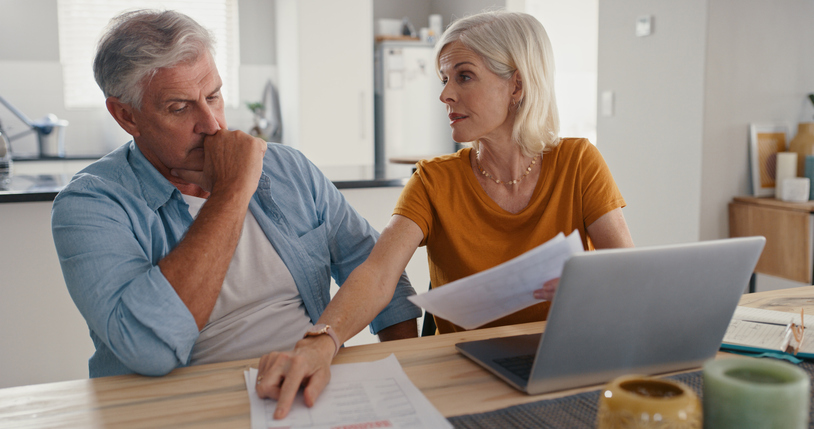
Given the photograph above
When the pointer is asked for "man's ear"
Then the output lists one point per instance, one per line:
(123, 114)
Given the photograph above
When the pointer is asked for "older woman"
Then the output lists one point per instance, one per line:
(517, 186)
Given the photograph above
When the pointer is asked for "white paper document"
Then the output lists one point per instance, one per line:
(502, 290)
(360, 396)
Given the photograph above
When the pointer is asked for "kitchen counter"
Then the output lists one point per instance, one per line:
(31, 188)
(45, 187)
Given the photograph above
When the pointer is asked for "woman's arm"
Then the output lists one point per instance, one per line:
(610, 231)
(370, 286)
(367, 291)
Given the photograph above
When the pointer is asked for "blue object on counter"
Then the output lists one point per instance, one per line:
(809, 172)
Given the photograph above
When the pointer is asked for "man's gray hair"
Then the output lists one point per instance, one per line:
(138, 43)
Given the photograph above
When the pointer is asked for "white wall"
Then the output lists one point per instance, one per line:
(677, 143)
(653, 142)
(572, 27)
(760, 67)
(453, 9)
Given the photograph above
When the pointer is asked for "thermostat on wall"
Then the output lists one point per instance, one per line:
(644, 25)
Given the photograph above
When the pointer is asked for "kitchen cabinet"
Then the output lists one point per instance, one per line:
(44, 338)
(325, 68)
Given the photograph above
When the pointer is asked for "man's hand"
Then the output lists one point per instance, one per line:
(280, 374)
(233, 162)
(548, 290)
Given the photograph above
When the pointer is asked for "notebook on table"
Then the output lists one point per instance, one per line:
(757, 331)
(646, 310)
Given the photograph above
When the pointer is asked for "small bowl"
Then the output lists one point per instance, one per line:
(635, 401)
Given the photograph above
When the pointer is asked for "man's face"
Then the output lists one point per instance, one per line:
(181, 106)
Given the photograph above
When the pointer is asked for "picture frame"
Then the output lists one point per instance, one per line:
(765, 141)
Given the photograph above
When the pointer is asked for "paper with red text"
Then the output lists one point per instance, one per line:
(361, 395)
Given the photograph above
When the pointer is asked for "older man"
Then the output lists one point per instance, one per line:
(195, 244)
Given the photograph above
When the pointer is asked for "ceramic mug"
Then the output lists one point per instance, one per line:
(635, 401)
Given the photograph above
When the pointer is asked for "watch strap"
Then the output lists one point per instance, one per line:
(322, 329)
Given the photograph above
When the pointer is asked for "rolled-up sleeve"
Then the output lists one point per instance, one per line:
(109, 259)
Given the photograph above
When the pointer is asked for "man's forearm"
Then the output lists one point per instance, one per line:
(399, 331)
(197, 266)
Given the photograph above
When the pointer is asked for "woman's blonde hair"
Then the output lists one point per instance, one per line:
(509, 41)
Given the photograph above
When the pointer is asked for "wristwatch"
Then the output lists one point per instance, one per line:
(320, 329)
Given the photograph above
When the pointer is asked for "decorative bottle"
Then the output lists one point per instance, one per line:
(803, 144)
(5, 162)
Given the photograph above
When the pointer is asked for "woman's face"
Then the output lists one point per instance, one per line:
(478, 101)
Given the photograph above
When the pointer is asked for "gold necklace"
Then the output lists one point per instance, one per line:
(510, 182)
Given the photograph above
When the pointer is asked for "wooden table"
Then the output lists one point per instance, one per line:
(214, 396)
(789, 231)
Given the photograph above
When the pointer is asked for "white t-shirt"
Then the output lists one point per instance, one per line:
(259, 308)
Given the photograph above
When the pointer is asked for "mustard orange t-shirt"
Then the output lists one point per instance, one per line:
(466, 232)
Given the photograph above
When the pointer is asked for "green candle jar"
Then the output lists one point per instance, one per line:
(755, 393)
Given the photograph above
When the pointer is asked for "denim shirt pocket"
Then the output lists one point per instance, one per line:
(315, 241)
(314, 244)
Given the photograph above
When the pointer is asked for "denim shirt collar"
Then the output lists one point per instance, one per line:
(156, 189)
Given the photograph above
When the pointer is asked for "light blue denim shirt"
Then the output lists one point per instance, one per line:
(119, 217)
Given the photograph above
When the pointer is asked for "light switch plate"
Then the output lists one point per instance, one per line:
(644, 25)
(606, 103)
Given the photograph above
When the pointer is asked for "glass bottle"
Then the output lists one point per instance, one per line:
(5, 162)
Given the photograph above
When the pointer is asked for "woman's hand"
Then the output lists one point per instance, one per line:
(281, 374)
(548, 290)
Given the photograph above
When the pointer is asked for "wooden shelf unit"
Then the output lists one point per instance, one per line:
(789, 231)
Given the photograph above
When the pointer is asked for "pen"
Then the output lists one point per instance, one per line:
(768, 323)
(787, 336)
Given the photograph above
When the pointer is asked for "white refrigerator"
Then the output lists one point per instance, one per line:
(411, 121)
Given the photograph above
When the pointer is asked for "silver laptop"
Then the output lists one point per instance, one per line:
(647, 310)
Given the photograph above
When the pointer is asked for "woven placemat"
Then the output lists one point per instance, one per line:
(573, 412)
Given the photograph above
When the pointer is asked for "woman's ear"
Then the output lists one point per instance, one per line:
(517, 81)
(123, 114)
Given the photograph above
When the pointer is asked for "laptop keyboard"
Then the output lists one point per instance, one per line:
(518, 365)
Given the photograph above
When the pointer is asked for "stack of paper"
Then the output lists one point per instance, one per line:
(360, 395)
(502, 290)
